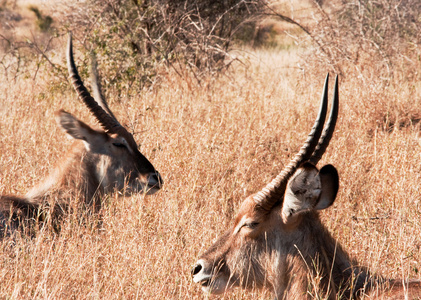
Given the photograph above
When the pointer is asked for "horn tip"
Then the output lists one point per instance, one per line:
(69, 39)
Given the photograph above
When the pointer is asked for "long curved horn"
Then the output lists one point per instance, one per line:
(329, 127)
(96, 87)
(107, 122)
(273, 192)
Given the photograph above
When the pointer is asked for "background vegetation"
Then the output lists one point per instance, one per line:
(216, 134)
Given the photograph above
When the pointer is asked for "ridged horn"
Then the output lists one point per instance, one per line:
(96, 87)
(273, 192)
(108, 122)
(329, 127)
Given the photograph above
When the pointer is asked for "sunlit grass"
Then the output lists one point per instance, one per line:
(214, 144)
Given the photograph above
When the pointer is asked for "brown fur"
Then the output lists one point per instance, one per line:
(93, 167)
(99, 162)
(292, 254)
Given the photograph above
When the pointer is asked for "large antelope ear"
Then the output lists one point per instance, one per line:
(310, 189)
(75, 128)
(302, 192)
(330, 184)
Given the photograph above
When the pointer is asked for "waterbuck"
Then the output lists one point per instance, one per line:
(278, 242)
(100, 161)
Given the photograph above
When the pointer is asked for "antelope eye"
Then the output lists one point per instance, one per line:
(252, 225)
(119, 145)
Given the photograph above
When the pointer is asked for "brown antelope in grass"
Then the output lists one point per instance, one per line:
(100, 161)
(277, 240)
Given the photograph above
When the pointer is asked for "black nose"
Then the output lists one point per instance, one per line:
(196, 269)
(157, 177)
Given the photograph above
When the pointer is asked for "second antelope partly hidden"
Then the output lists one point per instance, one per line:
(278, 242)
(100, 161)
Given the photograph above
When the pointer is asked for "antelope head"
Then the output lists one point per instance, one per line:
(279, 224)
(118, 163)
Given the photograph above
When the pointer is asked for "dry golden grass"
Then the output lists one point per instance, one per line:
(214, 144)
